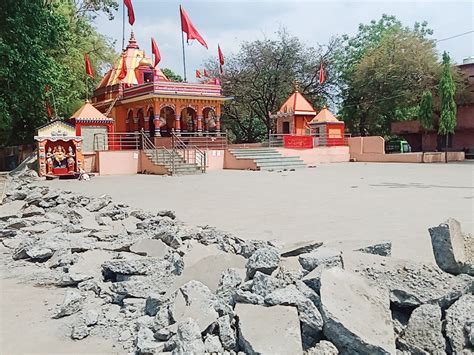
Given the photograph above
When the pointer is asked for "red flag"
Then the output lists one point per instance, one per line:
(89, 70)
(198, 74)
(46, 88)
(221, 55)
(123, 70)
(49, 110)
(188, 27)
(156, 51)
(206, 74)
(322, 74)
(131, 13)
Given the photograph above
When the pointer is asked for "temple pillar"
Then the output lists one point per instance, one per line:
(157, 123)
(218, 125)
(135, 124)
(199, 125)
(177, 125)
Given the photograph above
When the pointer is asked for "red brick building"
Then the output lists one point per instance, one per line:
(462, 139)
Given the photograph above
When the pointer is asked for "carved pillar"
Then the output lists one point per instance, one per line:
(218, 125)
(135, 123)
(177, 125)
(199, 124)
(157, 123)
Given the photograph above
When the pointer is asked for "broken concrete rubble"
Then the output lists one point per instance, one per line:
(152, 284)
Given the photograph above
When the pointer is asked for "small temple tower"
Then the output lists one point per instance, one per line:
(327, 129)
(294, 115)
(93, 126)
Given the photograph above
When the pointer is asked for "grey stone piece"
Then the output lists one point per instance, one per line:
(188, 338)
(248, 297)
(265, 260)
(227, 333)
(383, 248)
(264, 284)
(268, 330)
(150, 247)
(91, 317)
(453, 250)
(154, 302)
(38, 253)
(195, 300)
(31, 211)
(324, 347)
(298, 248)
(79, 329)
(320, 256)
(72, 303)
(98, 204)
(212, 344)
(356, 316)
(145, 341)
(460, 314)
(424, 331)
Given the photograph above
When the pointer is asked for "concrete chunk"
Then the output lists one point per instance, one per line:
(356, 316)
(268, 330)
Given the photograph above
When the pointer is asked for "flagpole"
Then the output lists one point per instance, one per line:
(184, 55)
(123, 25)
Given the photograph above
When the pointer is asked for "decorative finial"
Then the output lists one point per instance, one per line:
(132, 37)
(296, 86)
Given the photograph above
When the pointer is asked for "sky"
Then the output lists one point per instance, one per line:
(229, 22)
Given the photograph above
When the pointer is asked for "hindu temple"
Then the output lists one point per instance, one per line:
(138, 96)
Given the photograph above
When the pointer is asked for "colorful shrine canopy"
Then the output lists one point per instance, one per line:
(134, 57)
(298, 105)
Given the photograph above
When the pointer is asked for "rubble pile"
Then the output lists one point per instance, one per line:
(152, 284)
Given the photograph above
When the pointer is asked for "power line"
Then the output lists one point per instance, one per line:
(455, 36)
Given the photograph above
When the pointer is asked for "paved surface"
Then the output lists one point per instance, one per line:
(343, 201)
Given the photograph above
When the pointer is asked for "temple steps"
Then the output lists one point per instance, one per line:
(268, 159)
(161, 157)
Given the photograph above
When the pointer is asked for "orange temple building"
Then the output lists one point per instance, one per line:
(146, 99)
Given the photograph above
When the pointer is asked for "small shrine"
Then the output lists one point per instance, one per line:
(327, 129)
(59, 149)
(93, 126)
(294, 115)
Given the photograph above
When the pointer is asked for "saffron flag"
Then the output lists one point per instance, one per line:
(322, 74)
(221, 55)
(89, 70)
(49, 110)
(130, 12)
(206, 73)
(156, 52)
(123, 70)
(198, 74)
(188, 27)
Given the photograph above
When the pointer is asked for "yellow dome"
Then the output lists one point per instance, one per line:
(145, 62)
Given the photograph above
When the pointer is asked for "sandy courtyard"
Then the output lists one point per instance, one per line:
(395, 202)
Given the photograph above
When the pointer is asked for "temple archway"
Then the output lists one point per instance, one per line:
(151, 122)
(130, 121)
(140, 120)
(188, 119)
(168, 117)
(209, 119)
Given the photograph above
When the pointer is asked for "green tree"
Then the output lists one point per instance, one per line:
(447, 91)
(172, 75)
(382, 72)
(42, 42)
(425, 112)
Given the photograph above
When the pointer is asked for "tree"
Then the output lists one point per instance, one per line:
(172, 75)
(262, 75)
(43, 43)
(425, 112)
(383, 70)
(447, 90)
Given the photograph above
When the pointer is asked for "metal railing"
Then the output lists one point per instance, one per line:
(117, 141)
(319, 140)
(189, 152)
(167, 157)
(205, 140)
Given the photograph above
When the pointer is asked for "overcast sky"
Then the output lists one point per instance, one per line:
(230, 22)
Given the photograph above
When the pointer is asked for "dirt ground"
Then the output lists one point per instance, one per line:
(346, 201)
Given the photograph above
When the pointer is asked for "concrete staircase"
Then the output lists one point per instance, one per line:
(162, 157)
(268, 159)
